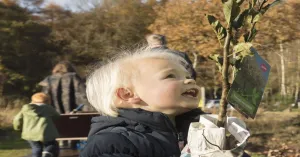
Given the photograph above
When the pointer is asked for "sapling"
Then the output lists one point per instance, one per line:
(235, 39)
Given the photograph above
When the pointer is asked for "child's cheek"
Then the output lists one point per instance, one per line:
(169, 92)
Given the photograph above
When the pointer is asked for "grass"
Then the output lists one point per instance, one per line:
(258, 155)
(14, 153)
(11, 144)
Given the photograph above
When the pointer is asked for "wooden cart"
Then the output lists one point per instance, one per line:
(74, 126)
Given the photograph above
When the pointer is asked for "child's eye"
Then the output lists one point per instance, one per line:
(170, 76)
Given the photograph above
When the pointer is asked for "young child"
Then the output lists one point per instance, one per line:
(141, 96)
(35, 122)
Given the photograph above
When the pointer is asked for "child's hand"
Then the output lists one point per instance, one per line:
(185, 152)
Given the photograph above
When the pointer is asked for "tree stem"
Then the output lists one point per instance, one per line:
(283, 87)
(225, 76)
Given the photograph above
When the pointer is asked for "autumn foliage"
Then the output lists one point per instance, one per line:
(34, 36)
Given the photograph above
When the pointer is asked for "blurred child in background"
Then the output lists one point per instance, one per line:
(35, 120)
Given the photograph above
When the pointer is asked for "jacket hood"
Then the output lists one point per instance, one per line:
(37, 110)
(134, 117)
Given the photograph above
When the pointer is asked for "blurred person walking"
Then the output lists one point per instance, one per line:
(35, 120)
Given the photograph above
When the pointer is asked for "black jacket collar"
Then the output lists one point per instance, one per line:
(153, 120)
(133, 117)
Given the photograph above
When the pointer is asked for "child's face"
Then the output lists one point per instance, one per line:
(165, 86)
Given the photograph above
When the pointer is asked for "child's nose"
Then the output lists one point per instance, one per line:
(189, 81)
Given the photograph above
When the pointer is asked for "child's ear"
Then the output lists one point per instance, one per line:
(127, 95)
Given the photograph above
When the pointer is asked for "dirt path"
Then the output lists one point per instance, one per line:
(275, 134)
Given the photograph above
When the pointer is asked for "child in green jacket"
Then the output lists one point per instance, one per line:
(35, 120)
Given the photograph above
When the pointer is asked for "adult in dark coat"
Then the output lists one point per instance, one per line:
(66, 88)
(157, 41)
(67, 91)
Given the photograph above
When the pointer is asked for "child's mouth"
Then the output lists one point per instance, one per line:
(193, 92)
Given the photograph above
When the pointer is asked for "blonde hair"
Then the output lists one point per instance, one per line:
(40, 98)
(103, 82)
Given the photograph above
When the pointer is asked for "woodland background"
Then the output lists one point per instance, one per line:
(36, 34)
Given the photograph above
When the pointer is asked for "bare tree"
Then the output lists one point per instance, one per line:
(281, 55)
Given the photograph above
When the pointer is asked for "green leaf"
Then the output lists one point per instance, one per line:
(253, 34)
(246, 36)
(253, 3)
(268, 6)
(249, 5)
(231, 10)
(232, 61)
(251, 16)
(243, 49)
(239, 21)
(217, 27)
(218, 59)
(256, 17)
(240, 2)
(223, 1)
(249, 36)
(237, 63)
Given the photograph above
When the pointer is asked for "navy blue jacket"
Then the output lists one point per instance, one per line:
(137, 133)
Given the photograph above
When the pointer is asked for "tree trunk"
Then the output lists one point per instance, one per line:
(297, 79)
(1, 81)
(283, 87)
(225, 83)
(1, 84)
(195, 63)
(297, 94)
